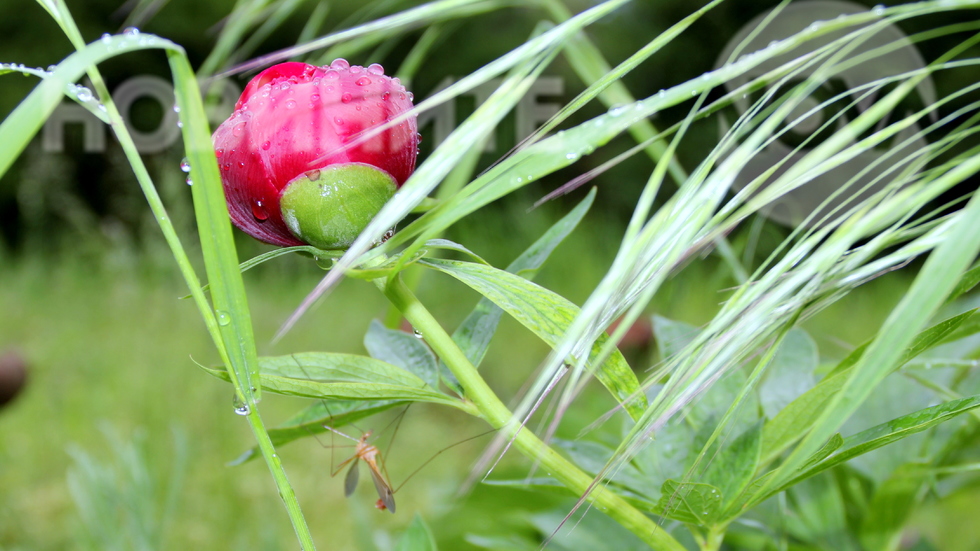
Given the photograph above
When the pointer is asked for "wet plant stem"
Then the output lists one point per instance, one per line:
(497, 415)
(179, 61)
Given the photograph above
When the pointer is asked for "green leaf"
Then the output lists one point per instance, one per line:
(311, 420)
(896, 429)
(690, 502)
(448, 245)
(592, 457)
(547, 315)
(733, 469)
(475, 333)
(795, 419)
(890, 507)
(403, 350)
(969, 280)
(333, 376)
(672, 336)
(790, 373)
(418, 537)
(925, 340)
(588, 532)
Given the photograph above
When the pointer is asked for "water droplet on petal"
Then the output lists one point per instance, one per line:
(266, 145)
(290, 104)
(356, 69)
(185, 165)
(340, 64)
(315, 97)
(376, 69)
(346, 98)
(363, 81)
(238, 129)
(259, 212)
(331, 75)
(219, 152)
(339, 121)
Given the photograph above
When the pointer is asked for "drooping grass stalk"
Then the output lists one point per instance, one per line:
(499, 417)
(232, 325)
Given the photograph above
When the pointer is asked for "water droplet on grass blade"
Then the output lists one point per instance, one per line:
(131, 31)
(83, 94)
(223, 318)
(185, 165)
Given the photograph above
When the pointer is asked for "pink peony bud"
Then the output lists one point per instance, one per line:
(286, 179)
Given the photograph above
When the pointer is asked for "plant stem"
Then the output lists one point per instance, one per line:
(178, 62)
(497, 414)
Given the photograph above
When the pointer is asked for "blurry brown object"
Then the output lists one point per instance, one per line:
(13, 375)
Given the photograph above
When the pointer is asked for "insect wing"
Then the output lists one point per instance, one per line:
(350, 481)
(385, 495)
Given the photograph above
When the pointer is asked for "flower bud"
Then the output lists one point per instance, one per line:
(288, 178)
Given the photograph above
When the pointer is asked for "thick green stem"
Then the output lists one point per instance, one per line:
(497, 414)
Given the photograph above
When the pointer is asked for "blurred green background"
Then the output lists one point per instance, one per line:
(90, 299)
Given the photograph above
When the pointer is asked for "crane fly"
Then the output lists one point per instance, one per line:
(369, 454)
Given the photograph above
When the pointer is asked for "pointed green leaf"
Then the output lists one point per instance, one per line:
(733, 469)
(333, 376)
(672, 336)
(896, 429)
(796, 418)
(474, 334)
(418, 537)
(890, 507)
(548, 315)
(690, 502)
(790, 373)
(311, 420)
(403, 350)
